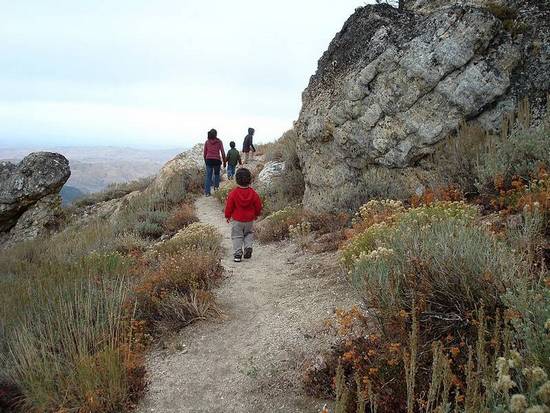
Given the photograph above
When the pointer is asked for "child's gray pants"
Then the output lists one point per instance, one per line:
(241, 233)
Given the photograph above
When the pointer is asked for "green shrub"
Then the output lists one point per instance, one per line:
(157, 217)
(149, 230)
(530, 299)
(152, 224)
(222, 193)
(521, 155)
(66, 312)
(366, 242)
(144, 214)
(438, 254)
(383, 220)
(375, 183)
(53, 257)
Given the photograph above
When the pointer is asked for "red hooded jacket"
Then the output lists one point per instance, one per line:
(243, 204)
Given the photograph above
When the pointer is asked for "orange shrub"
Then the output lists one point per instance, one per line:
(181, 217)
(325, 223)
(175, 277)
(451, 193)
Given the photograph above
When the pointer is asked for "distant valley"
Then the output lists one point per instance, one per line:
(94, 168)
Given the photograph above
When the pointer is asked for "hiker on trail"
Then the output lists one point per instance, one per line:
(233, 158)
(243, 206)
(248, 145)
(214, 157)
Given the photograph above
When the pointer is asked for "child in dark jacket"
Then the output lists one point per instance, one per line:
(233, 158)
(243, 206)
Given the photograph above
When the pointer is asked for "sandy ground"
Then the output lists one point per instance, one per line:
(251, 359)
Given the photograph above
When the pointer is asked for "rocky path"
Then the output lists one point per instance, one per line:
(250, 360)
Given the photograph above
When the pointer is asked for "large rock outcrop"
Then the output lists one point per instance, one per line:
(185, 170)
(396, 83)
(29, 195)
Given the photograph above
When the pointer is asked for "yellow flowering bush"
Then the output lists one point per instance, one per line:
(377, 235)
(275, 227)
(300, 233)
(518, 386)
(440, 211)
(203, 237)
(378, 210)
(381, 219)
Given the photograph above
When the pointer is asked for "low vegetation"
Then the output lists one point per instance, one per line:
(287, 189)
(457, 292)
(225, 188)
(78, 310)
(113, 191)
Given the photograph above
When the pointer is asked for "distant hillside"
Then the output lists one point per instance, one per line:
(70, 193)
(93, 168)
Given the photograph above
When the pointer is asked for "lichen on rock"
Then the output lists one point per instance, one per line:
(396, 83)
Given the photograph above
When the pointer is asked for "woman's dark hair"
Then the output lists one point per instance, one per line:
(212, 133)
(243, 177)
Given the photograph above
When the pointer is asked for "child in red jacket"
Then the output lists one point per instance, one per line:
(243, 206)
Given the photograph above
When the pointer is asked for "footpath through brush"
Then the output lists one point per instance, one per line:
(250, 360)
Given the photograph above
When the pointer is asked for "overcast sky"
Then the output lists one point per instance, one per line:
(157, 73)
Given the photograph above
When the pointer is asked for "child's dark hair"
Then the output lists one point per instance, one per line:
(243, 177)
(232, 144)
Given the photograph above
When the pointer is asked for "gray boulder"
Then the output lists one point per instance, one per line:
(184, 170)
(38, 220)
(395, 84)
(30, 188)
(270, 170)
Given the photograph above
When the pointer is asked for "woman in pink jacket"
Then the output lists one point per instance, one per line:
(214, 157)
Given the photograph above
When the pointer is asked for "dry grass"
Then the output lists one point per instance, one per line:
(177, 294)
(77, 310)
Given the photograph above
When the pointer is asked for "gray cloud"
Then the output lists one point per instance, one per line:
(205, 63)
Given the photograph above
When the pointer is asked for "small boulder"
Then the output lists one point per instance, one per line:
(270, 170)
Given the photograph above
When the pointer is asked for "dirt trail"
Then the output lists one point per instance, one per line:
(250, 360)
